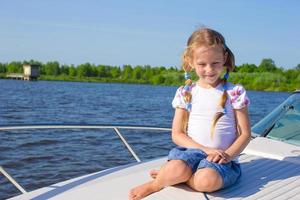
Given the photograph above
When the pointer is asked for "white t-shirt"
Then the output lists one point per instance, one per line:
(205, 103)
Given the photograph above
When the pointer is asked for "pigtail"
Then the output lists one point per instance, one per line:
(186, 91)
(222, 108)
(229, 63)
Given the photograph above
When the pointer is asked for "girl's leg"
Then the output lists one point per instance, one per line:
(205, 180)
(173, 172)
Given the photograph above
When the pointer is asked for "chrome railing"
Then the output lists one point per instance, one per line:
(13, 181)
(116, 128)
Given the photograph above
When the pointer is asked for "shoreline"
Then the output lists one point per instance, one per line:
(141, 82)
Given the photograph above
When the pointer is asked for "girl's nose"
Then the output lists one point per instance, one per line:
(209, 68)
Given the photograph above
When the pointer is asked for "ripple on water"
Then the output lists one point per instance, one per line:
(39, 143)
(5, 148)
(12, 164)
(32, 159)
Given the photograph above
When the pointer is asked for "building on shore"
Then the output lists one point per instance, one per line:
(30, 72)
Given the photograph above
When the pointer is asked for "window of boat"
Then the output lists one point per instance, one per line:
(287, 128)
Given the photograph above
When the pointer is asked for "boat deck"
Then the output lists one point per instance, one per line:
(271, 170)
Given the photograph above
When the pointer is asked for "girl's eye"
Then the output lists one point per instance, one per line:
(201, 64)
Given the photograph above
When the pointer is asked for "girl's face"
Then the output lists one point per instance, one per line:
(208, 63)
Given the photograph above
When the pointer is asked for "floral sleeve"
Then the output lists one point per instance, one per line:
(238, 97)
(178, 101)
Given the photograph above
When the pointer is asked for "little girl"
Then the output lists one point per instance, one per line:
(211, 123)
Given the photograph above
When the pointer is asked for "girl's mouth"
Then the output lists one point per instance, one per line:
(210, 75)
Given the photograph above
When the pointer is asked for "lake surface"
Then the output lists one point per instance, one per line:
(37, 158)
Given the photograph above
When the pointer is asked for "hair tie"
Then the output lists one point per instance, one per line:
(223, 110)
(186, 88)
(226, 75)
(188, 107)
(187, 75)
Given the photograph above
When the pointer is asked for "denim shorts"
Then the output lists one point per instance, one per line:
(196, 159)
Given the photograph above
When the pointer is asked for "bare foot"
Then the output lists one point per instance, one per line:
(153, 173)
(144, 190)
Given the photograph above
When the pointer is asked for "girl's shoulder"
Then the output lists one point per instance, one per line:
(237, 95)
(183, 88)
(231, 86)
(179, 100)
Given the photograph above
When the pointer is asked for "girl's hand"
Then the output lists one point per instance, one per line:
(217, 155)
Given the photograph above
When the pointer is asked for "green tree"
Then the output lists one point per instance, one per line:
(15, 67)
(85, 70)
(247, 68)
(127, 72)
(137, 72)
(267, 65)
(101, 69)
(72, 71)
(172, 69)
(52, 68)
(157, 71)
(291, 74)
(32, 62)
(148, 73)
(115, 72)
(169, 79)
(94, 70)
(159, 79)
(64, 70)
(297, 81)
(162, 69)
(2, 68)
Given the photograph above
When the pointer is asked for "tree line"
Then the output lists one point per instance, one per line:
(265, 76)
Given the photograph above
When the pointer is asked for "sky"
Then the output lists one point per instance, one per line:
(140, 32)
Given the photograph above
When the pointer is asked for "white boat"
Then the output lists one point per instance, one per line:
(270, 167)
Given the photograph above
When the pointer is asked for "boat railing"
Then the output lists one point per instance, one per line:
(116, 128)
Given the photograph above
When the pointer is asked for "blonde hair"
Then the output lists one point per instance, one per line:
(208, 38)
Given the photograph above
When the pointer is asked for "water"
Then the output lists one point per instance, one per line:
(37, 158)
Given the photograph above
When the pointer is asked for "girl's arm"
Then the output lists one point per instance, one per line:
(179, 137)
(243, 128)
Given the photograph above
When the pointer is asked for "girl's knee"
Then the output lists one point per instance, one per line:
(206, 180)
(179, 168)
